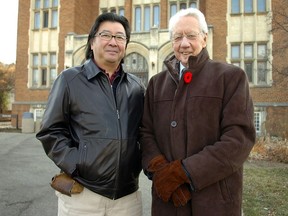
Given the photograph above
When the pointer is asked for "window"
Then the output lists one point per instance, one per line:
(151, 16)
(262, 72)
(173, 9)
(121, 12)
(248, 51)
(44, 76)
(117, 10)
(257, 121)
(235, 6)
(262, 51)
(252, 57)
(249, 70)
(46, 4)
(45, 19)
(38, 114)
(37, 4)
(137, 19)
(53, 72)
(43, 69)
(183, 6)
(235, 52)
(156, 16)
(46, 15)
(54, 3)
(262, 63)
(35, 73)
(54, 21)
(37, 20)
(44, 72)
(146, 18)
(193, 4)
(261, 6)
(248, 6)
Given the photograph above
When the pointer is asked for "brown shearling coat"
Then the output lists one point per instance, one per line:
(209, 124)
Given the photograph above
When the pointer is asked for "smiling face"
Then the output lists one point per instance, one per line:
(108, 52)
(187, 39)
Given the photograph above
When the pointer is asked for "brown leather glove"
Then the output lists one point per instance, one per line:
(181, 196)
(167, 179)
(157, 163)
(65, 184)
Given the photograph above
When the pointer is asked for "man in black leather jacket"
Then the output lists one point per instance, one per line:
(90, 126)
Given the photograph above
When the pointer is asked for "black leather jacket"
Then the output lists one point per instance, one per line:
(92, 135)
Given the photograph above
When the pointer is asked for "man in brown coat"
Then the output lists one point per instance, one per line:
(197, 127)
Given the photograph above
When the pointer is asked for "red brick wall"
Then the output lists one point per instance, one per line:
(215, 14)
(75, 16)
(277, 121)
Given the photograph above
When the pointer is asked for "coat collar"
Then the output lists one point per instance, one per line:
(91, 70)
(195, 63)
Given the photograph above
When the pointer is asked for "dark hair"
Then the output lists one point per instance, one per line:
(112, 17)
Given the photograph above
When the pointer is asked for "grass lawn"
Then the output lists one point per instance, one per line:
(265, 188)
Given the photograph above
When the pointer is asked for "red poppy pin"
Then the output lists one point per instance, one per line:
(188, 77)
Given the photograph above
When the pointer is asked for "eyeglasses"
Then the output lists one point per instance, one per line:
(108, 36)
(177, 38)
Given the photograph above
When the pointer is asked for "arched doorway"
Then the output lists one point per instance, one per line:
(136, 64)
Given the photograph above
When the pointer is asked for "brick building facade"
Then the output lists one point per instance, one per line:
(52, 36)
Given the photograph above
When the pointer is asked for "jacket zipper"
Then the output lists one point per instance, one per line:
(119, 132)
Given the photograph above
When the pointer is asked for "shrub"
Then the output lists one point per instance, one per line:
(271, 149)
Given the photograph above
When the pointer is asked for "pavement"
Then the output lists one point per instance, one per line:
(25, 173)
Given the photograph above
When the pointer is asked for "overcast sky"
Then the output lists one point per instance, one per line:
(8, 36)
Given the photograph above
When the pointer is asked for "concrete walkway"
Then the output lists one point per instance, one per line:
(25, 173)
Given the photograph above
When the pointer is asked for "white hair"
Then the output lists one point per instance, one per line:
(194, 12)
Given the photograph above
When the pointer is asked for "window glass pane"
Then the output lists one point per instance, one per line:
(35, 61)
(248, 6)
(257, 121)
(235, 52)
(54, 22)
(53, 75)
(121, 12)
(235, 6)
(193, 5)
(44, 76)
(146, 18)
(54, 3)
(183, 6)
(37, 4)
(262, 70)
(35, 78)
(262, 51)
(248, 51)
(261, 5)
(248, 69)
(45, 19)
(173, 9)
(53, 59)
(44, 60)
(137, 19)
(156, 16)
(46, 3)
(37, 20)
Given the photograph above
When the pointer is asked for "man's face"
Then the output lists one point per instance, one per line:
(187, 40)
(109, 50)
